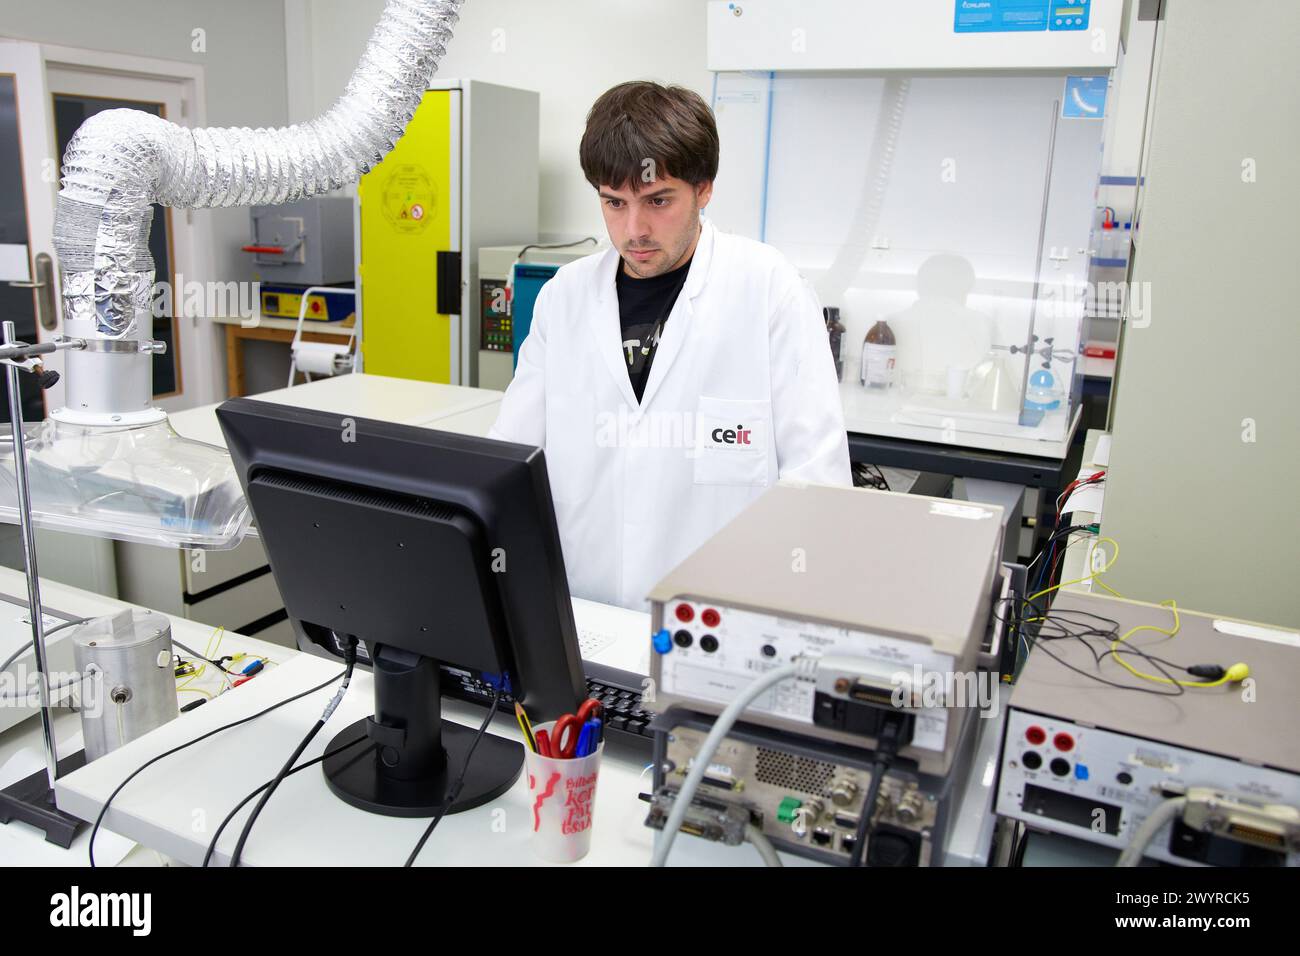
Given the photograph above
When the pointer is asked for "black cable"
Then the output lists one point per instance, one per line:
(865, 477)
(861, 834)
(886, 751)
(193, 653)
(454, 791)
(153, 760)
(1110, 683)
(557, 245)
(1060, 619)
(212, 847)
(350, 660)
(1110, 635)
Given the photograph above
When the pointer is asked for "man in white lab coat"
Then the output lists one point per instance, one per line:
(676, 376)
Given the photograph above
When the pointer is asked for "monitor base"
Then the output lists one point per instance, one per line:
(358, 777)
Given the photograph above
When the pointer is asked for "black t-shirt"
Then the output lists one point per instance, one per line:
(642, 305)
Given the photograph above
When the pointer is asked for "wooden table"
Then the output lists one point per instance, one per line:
(271, 330)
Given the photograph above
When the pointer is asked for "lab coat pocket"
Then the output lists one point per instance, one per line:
(571, 445)
(731, 441)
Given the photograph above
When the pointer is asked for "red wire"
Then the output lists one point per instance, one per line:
(1077, 483)
(1064, 496)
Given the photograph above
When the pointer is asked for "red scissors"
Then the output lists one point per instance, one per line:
(564, 735)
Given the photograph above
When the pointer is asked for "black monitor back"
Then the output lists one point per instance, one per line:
(443, 545)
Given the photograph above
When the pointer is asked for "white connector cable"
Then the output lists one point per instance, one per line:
(763, 845)
(1164, 814)
(802, 667)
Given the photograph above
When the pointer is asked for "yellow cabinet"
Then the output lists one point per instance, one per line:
(463, 175)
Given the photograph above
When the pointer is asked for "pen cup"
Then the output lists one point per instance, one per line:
(562, 801)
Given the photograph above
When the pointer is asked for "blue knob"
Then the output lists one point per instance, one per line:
(1080, 772)
(663, 641)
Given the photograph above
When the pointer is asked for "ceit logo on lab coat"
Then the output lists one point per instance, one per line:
(740, 435)
(730, 429)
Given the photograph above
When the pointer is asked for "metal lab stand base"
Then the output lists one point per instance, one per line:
(31, 799)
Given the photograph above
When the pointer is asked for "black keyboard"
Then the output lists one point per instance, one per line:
(619, 692)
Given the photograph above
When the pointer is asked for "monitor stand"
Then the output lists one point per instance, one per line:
(402, 761)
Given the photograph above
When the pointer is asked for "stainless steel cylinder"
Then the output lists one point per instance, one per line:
(129, 682)
(109, 383)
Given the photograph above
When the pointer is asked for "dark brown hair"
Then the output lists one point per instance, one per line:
(639, 121)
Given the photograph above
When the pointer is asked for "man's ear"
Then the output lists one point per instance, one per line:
(703, 193)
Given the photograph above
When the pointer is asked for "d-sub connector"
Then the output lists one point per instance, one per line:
(719, 823)
(1272, 826)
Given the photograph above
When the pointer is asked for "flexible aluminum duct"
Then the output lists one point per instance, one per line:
(121, 161)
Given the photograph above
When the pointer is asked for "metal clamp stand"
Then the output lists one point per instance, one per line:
(31, 799)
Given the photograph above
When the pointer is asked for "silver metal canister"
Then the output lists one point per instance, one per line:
(129, 684)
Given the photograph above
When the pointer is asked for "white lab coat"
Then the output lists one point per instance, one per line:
(742, 391)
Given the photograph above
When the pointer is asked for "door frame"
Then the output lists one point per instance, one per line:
(192, 250)
(35, 146)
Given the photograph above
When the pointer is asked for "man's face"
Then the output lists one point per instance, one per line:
(654, 228)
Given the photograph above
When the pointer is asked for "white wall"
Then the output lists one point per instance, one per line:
(244, 66)
(570, 51)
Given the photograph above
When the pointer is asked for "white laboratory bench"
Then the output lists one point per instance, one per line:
(171, 809)
(304, 824)
(877, 414)
(399, 400)
(234, 588)
(21, 845)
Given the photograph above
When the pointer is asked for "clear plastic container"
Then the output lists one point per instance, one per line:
(141, 483)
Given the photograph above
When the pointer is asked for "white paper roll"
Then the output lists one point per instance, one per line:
(317, 358)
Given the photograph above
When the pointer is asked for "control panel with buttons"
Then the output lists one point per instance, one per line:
(708, 652)
(1099, 786)
(1069, 15)
(496, 328)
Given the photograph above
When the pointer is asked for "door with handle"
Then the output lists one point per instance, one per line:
(28, 183)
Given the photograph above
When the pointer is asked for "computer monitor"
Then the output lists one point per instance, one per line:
(429, 548)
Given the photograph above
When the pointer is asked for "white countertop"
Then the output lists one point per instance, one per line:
(21, 845)
(172, 807)
(169, 807)
(400, 400)
(877, 414)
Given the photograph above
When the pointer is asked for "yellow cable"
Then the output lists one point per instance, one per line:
(1114, 646)
(191, 677)
(209, 651)
(1170, 632)
(1101, 570)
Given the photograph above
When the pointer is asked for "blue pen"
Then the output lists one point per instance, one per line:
(587, 739)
